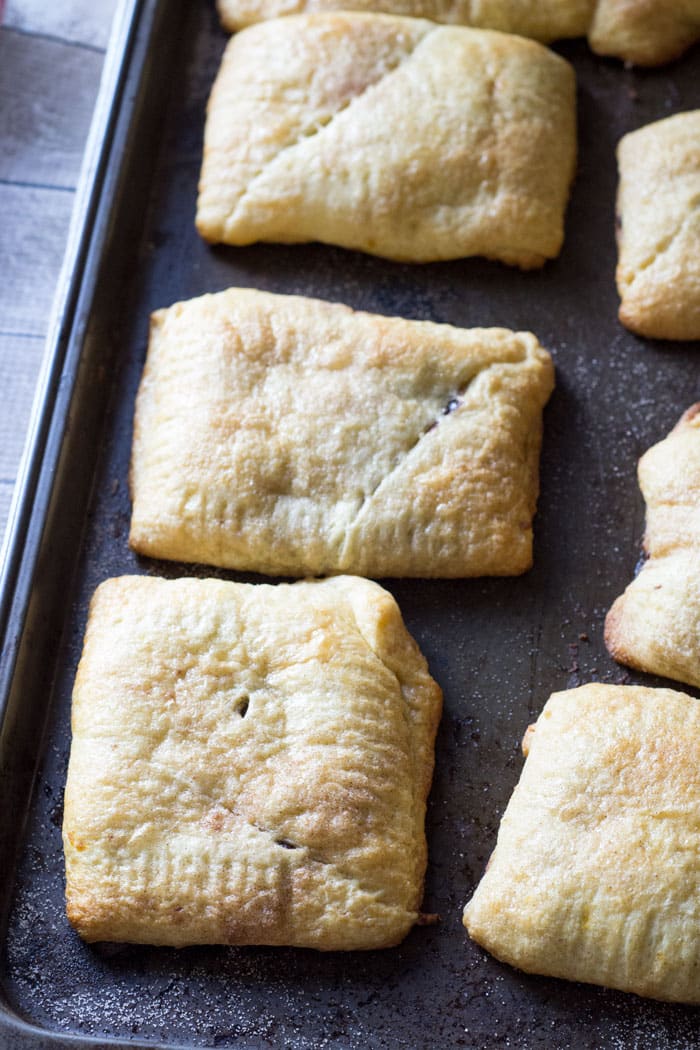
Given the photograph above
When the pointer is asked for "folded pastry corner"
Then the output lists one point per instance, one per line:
(389, 135)
(295, 437)
(655, 625)
(596, 873)
(645, 32)
(658, 272)
(249, 765)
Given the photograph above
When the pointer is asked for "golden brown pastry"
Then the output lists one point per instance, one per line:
(295, 437)
(596, 873)
(250, 765)
(641, 32)
(389, 135)
(544, 20)
(645, 32)
(655, 625)
(658, 273)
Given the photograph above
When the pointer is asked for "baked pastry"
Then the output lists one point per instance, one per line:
(545, 20)
(655, 625)
(641, 32)
(645, 32)
(658, 273)
(389, 135)
(596, 873)
(295, 437)
(250, 765)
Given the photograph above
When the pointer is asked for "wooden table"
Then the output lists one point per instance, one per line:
(51, 57)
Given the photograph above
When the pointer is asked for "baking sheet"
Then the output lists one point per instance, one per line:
(497, 647)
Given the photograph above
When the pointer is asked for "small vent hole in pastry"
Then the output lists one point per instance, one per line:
(242, 706)
(286, 844)
(450, 406)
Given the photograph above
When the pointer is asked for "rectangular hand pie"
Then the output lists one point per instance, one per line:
(250, 765)
(643, 32)
(658, 272)
(389, 135)
(655, 625)
(290, 436)
(596, 873)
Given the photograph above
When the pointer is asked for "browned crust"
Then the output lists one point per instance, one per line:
(614, 636)
(628, 30)
(653, 626)
(688, 415)
(147, 671)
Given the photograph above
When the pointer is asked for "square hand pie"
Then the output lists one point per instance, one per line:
(393, 136)
(294, 437)
(596, 874)
(658, 272)
(645, 32)
(545, 20)
(250, 765)
(655, 625)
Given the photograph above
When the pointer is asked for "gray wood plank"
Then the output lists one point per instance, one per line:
(50, 64)
(80, 21)
(20, 360)
(33, 230)
(6, 490)
(47, 95)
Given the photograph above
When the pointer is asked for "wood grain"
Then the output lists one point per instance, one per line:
(86, 22)
(20, 360)
(51, 57)
(31, 245)
(33, 227)
(48, 92)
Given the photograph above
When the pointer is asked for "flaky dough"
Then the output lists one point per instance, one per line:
(655, 625)
(250, 765)
(544, 20)
(389, 135)
(596, 873)
(295, 437)
(643, 32)
(658, 273)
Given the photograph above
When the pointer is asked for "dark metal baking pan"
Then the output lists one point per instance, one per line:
(497, 647)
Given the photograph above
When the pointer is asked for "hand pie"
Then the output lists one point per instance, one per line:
(250, 765)
(655, 625)
(658, 273)
(545, 20)
(642, 32)
(645, 32)
(294, 437)
(392, 136)
(596, 874)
